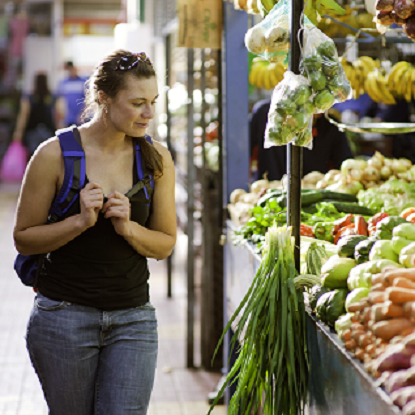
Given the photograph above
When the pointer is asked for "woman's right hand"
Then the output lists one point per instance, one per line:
(92, 200)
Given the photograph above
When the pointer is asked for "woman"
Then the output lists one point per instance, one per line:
(92, 334)
(35, 122)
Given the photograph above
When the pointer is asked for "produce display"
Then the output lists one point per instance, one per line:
(367, 76)
(272, 361)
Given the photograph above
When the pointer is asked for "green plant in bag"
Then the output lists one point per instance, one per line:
(324, 100)
(318, 80)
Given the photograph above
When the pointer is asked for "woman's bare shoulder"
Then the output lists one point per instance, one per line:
(48, 156)
(165, 153)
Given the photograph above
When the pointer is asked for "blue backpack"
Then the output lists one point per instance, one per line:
(28, 267)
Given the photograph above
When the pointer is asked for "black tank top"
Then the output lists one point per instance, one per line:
(99, 268)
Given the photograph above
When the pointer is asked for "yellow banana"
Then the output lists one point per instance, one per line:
(395, 74)
(382, 88)
(407, 85)
(368, 62)
(371, 88)
(255, 71)
(273, 74)
(413, 82)
(266, 78)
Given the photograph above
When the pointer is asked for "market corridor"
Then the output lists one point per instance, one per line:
(177, 391)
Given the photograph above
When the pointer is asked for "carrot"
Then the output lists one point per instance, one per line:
(399, 295)
(378, 287)
(389, 309)
(353, 318)
(409, 309)
(377, 312)
(350, 345)
(356, 327)
(380, 342)
(364, 340)
(377, 297)
(353, 307)
(411, 218)
(403, 283)
(367, 314)
(363, 303)
(407, 332)
(370, 325)
(391, 328)
(377, 279)
(391, 274)
(346, 335)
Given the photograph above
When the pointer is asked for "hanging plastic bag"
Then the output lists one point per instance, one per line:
(290, 111)
(325, 72)
(271, 37)
(305, 137)
(14, 162)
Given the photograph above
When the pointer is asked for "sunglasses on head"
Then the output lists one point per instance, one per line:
(128, 62)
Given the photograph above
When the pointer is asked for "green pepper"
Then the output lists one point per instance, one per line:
(323, 231)
(327, 49)
(324, 100)
(318, 80)
(313, 62)
(301, 95)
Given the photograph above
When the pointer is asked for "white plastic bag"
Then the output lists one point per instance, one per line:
(321, 65)
(290, 112)
(271, 37)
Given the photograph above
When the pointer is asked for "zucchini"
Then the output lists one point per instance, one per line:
(307, 198)
(345, 197)
(352, 208)
(346, 245)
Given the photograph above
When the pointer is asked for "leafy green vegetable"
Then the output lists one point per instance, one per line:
(385, 227)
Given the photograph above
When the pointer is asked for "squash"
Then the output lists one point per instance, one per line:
(347, 244)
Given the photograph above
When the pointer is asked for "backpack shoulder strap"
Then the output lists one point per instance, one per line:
(140, 168)
(74, 159)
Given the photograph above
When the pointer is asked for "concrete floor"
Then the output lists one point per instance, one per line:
(177, 390)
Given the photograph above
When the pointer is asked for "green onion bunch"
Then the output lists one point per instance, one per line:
(272, 361)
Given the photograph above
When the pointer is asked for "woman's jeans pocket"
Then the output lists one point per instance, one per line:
(47, 304)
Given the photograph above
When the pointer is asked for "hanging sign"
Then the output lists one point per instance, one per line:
(200, 23)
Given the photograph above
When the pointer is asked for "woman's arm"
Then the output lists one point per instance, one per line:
(22, 119)
(158, 240)
(31, 233)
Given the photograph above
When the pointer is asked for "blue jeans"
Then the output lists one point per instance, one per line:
(93, 362)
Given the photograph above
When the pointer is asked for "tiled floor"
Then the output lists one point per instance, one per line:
(177, 390)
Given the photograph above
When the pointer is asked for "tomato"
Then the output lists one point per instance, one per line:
(407, 212)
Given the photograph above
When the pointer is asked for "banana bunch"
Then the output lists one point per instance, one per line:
(357, 73)
(401, 81)
(255, 6)
(266, 75)
(377, 87)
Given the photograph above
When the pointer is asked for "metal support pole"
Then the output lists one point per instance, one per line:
(235, 113)
(294, 153)
(169, 146)
(190, 210)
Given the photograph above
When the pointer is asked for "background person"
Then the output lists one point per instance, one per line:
(70, 97)
(35, 121)
(92, 333)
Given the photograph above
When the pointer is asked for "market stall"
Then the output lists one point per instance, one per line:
(353, 261)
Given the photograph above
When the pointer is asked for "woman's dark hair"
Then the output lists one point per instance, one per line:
(41, 88)
(108, 79)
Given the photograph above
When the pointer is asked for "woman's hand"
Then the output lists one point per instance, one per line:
(92, 199)
(118, 208)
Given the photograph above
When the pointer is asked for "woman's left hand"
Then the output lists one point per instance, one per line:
(118, 208)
